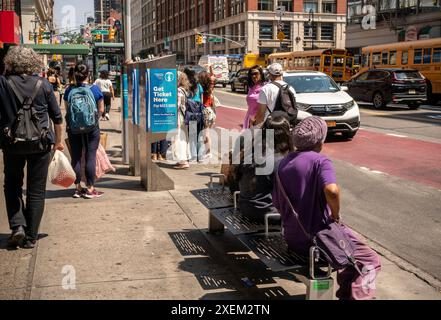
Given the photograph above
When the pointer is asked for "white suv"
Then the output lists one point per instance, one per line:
(317, 94)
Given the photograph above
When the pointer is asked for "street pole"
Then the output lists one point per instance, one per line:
(124, 83)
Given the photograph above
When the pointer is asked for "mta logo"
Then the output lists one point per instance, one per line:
(169, 77)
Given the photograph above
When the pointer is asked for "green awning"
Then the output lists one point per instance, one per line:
(66, 49)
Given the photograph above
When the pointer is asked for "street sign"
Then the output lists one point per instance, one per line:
(98, 31)
(214, 40)
(281, 36)
(280, 11)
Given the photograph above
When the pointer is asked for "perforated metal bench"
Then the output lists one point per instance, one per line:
(269, 247)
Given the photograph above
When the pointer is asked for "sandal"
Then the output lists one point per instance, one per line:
(182, 166)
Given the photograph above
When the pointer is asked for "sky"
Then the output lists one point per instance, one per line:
(71, 15)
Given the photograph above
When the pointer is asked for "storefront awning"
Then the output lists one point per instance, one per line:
(66, 49)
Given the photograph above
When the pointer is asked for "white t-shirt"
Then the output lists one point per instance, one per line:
(104, 84)
(268, 95)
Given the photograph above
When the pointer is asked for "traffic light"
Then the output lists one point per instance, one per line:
(111, 34)
(98, 37)
(40, 38)
(199, 39)
(31, 36)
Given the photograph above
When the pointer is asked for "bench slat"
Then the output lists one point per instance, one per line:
(273, 251)
(214, 198)
(238, 223)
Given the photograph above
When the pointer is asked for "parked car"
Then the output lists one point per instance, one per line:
(318, 94)
(240, 81)
(383, 86)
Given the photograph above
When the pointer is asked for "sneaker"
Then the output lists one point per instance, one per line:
(78, 194)
(17, 237)
(29, 244)
(107, 117)
(94, 194)
(161, 157)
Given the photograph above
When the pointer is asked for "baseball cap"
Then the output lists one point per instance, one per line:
(275, 69)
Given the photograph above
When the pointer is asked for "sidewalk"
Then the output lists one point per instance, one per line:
(130, 244)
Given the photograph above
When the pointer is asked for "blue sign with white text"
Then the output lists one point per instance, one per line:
(161, 92)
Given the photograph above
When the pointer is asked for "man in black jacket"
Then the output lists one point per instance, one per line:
(24, 218)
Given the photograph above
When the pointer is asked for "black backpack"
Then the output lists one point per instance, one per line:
(26, 136)
(286, 102)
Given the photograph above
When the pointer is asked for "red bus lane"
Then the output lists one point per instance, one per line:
(403, 157)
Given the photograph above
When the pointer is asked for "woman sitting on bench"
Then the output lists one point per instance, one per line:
(308, 178)
(256, 185)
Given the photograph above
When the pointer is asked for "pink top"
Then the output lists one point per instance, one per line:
(253, 105)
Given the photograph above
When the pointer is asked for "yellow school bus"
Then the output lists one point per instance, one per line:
(248, 60)
(337, 63)
(422, 55)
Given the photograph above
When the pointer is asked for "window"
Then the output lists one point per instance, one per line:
(436, 55)
(327, 31)
(317, 61)
(417, 56)
(393, 57)
(376, 58)
(404, 57)
(265, 5)
(307, 32)
(377, 75)
(384, 57)
(338, 61)
(327, 61)
(265, 30)
(308, 6)
(328, 7)
(287, 30)
(365, 60)
(287, 4)
(363, 76)
(427, 55)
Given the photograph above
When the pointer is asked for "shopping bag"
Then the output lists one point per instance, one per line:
(60, 171)
(102, 165)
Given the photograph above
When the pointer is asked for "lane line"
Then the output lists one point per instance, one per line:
(396, 135)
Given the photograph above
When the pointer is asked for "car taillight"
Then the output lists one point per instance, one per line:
(422, 81)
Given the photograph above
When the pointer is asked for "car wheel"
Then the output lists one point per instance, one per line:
(224, 85)
(413, 105)
(378, 100)
(348, 134)
(233, 88)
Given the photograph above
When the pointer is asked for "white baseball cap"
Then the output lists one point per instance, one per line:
(275, 69)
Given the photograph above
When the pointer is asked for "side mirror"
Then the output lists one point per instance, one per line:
(344, 88)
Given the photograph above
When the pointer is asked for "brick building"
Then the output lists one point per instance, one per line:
(252, 24)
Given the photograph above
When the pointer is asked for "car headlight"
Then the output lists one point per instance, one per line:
(302, 106)
(349, 105)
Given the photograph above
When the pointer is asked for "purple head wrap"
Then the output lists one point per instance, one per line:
(310, 132)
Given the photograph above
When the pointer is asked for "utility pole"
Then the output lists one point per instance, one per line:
(124, 83)
(102, 19)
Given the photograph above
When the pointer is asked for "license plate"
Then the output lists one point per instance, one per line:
(331, 123)
(412, 91)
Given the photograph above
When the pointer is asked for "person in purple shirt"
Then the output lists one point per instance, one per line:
(309, 180)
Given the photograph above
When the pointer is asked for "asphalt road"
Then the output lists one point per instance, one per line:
(390, 175)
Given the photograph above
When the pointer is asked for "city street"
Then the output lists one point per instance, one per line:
(390, 175)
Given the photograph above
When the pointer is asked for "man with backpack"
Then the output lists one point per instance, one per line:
(27, 105)
(276, 95)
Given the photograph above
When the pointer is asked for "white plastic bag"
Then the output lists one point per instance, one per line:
(61, 172)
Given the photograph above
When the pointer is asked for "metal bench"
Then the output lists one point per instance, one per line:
(269, 247)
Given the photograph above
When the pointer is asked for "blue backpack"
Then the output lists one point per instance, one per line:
(82, 113)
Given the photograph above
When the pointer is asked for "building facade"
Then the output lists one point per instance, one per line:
(36, 14)
(244, 26)
(105, 9)
(372, 22)
(148, 32)
(136, 21)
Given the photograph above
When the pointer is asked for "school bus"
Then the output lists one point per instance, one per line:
(422, 55)
(337, 63)
(248, 60)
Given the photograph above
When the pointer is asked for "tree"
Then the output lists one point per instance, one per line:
(72, 38)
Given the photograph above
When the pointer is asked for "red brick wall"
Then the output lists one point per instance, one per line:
(341, 6)
(298, 5)
(251, 5)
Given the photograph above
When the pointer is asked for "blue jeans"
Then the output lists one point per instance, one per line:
(160, 147)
